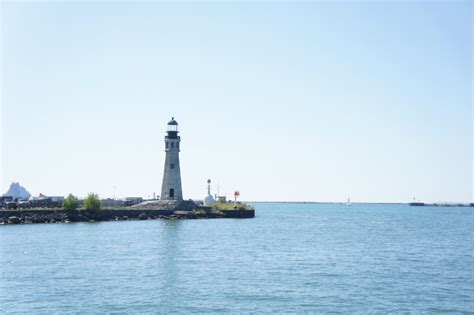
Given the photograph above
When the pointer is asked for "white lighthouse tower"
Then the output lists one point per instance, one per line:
(171, 187)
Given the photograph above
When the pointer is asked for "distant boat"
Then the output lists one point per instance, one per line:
(348, 203)
(417, 204)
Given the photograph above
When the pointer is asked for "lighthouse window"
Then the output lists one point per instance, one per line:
(172, 165)
(172, 144)
(167, 144)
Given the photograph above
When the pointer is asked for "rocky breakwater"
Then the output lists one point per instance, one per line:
(150, 211)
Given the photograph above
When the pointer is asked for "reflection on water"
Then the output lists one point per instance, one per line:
(167, 261)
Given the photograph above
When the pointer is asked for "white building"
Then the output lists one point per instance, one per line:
(209, 200)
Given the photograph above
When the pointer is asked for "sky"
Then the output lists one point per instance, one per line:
(309, 101)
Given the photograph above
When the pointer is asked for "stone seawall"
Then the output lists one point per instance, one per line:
(239, 214)
(27, 216)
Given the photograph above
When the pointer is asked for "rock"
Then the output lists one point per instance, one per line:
(27, 220)
(142, 216)
(13, 220)
(37, 219)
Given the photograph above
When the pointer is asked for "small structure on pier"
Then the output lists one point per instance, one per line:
(209, 200)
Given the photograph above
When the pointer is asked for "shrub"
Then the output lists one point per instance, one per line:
(70, 203)
(92, 202)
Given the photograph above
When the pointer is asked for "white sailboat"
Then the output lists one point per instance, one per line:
(348, 203)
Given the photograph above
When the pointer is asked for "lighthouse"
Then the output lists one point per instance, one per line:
(171, 187)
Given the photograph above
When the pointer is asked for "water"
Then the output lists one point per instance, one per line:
(292, 258)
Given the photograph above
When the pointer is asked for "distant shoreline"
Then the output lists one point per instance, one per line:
(372, 203)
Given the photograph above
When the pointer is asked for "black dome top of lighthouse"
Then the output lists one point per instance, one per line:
(172, 122)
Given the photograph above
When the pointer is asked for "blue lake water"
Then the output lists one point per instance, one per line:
(291, 257)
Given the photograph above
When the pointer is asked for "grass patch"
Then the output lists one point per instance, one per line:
(221, 206)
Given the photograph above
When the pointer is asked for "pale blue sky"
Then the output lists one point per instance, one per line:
(308, 101)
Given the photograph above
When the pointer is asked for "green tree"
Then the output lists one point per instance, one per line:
(92, 202)
(70, 203)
